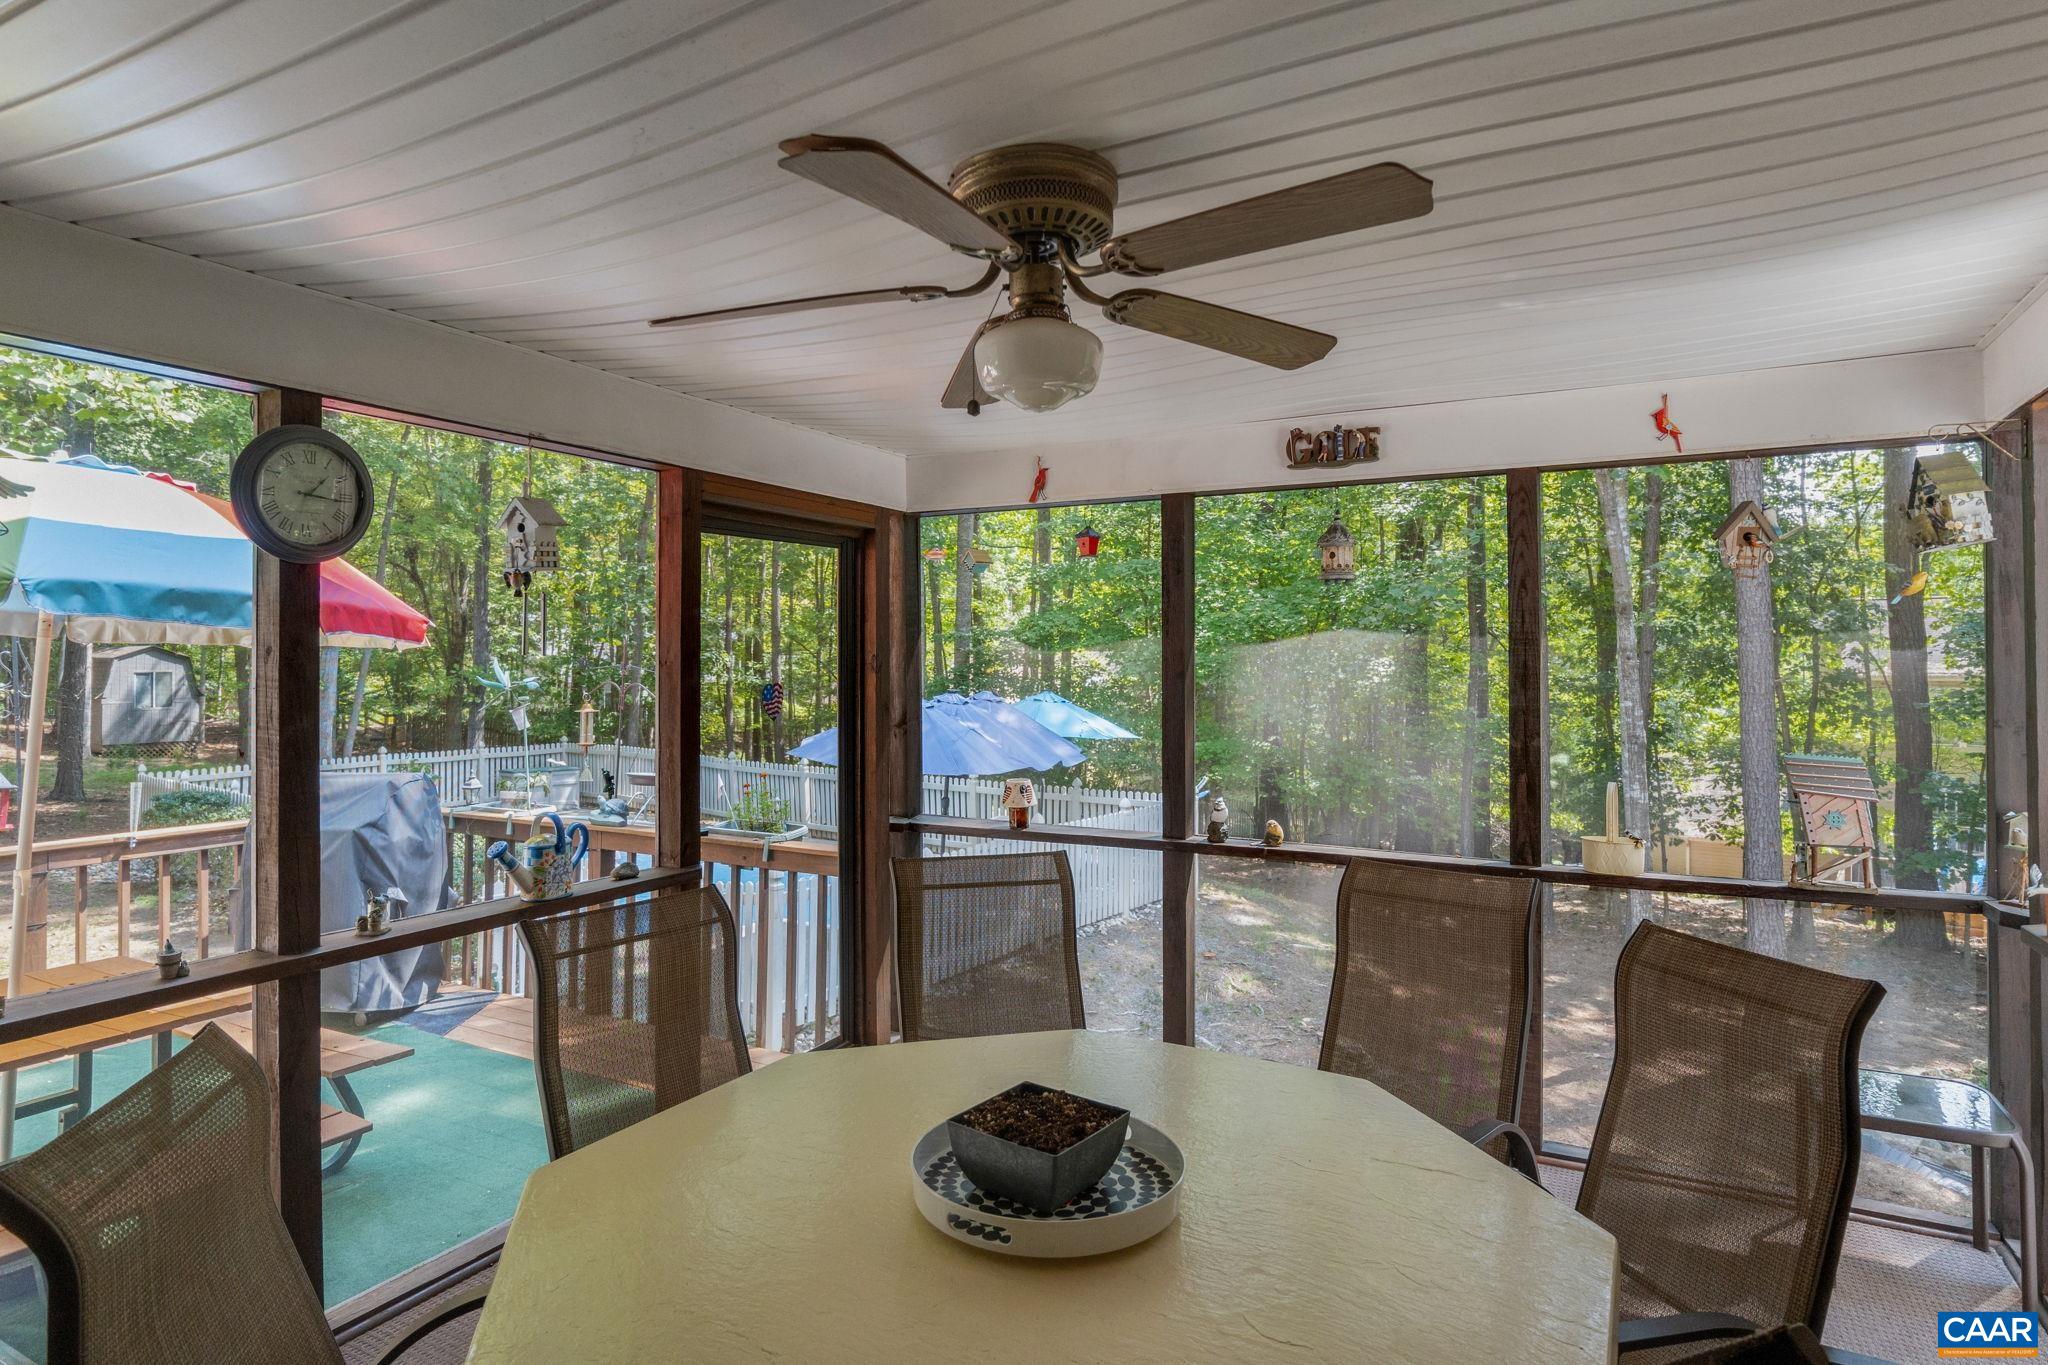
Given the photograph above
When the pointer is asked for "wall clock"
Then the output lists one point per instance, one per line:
(301, 493)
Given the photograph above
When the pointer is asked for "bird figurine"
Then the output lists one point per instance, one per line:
(1274, 836)
(1667, 427)
(1219, 821)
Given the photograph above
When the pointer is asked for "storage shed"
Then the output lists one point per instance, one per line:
(143, 694)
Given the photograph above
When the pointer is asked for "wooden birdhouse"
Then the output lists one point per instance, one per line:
(1949, 504)
(1748, 540)
(530, 526)
(1337, 553)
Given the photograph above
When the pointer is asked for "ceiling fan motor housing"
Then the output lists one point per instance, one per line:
(1041, 187)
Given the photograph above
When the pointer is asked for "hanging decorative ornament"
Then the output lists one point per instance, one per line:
(1037, 483)
(1666, 428)
(935, 555)
(1087, 541)
(1338, 551)
(771, 698)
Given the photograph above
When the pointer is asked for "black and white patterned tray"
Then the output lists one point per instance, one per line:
(1137, 1198)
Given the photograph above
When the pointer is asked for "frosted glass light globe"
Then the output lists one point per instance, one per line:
(1038, 363)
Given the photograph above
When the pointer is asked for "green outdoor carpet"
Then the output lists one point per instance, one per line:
(457, 1132)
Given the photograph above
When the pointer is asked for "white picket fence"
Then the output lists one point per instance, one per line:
(1108, 882)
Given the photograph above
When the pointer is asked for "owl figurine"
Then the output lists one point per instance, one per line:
(1219, 821)
(1274, 836)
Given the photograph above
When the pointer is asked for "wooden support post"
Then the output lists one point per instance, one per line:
(163, 902)
(124, 904)
(202, 883)
(1177, 764)
(1528, 745)
(2031, 526)
(881, 631)
(2014, 974)
(678, 719)
(286, 837)
(81, 892)
(678, 708)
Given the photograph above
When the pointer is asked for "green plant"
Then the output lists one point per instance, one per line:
(759, 808)
(194, 806)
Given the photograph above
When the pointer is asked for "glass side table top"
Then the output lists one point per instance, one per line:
(1888, 1097)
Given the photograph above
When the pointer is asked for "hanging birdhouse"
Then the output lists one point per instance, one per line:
(530, 526)
(978, 561)
(1949, 504)
(1748, 540)
(1087, 541)
(1338, 553)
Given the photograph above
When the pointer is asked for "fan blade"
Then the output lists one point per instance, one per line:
(1386, 193)
(966, 381)
(1279, 344)
(871, 173)
(918, 293)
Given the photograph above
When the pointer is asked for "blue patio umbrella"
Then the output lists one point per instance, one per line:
(964, 737)
(1069, 719)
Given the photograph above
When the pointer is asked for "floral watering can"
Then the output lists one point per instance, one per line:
(551, 856)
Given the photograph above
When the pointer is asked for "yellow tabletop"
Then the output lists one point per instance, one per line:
(772, 1218)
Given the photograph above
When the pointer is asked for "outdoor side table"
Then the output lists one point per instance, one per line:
(1957, 1111)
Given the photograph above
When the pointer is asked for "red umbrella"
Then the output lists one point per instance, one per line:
(356, 612)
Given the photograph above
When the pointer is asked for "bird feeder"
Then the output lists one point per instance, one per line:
(935, 555)
(1748, 540)
(978, 561)
(1949, 504)
(586, 725)
(1338, 552)
(1087, 541)
(530, 526)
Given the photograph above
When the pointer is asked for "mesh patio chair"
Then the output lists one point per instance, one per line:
(636, 1009)
(1727, 1148)
(985, 945)
(1430, 997)
(156, 1229)
(1794, 1345)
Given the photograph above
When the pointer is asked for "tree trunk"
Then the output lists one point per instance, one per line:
(963, 605)
(1412, 808)
(632, 676)
(1650, 582)
(1630, 686)
(355, 708)
(777, 751)
(480, 605)
(1475, 800)
(937, 672)
(245, 711)
(1912, 722)
(1041, 561)
(330, 696)
(1756, 668)
(730, 663)
(74, 722)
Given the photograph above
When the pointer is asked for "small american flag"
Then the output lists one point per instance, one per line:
(771, 699)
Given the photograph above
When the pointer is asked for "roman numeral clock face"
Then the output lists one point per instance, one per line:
(302, 493)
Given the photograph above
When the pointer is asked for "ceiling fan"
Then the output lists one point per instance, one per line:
(1033, 210)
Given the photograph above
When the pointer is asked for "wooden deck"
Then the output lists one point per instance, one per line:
(506, 1025)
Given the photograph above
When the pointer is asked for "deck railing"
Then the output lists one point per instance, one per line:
(92, 881)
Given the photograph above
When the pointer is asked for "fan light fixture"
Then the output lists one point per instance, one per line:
(1038, 363)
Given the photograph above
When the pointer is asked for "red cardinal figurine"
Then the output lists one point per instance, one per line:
(1037, 483)
(1662, 417)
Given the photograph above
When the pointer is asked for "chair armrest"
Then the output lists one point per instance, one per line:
(1677, 1329)
(469, 1301)
(1521, 1152)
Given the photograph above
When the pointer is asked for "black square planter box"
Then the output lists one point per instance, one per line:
(1025, 1175)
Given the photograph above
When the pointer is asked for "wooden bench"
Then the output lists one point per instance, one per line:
(341, 1056)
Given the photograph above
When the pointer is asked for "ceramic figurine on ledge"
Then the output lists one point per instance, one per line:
(170, 963)
(1019, 796)
(1219, 821)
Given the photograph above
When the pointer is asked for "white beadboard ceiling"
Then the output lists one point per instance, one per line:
(1627, 190)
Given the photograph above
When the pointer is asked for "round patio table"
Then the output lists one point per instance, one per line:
(772, 1218)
